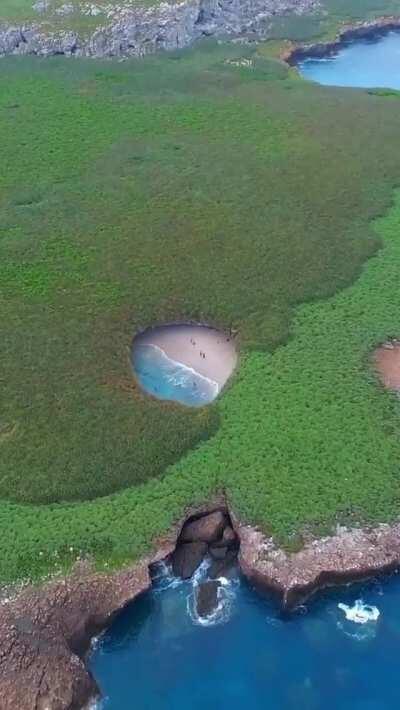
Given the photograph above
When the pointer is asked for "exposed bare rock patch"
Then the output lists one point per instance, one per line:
(387, 364)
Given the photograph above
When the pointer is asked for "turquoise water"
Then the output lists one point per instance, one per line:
(167, 379)
(158, 657)
(364, 63)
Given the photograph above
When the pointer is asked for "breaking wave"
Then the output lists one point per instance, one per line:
(364, 615)
(226, 596)
(223, 611)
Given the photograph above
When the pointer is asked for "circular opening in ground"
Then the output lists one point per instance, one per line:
(185, 363)
(387, 363)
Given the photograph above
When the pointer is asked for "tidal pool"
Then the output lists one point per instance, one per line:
(339, 653)
(364, 63)
(186, 363)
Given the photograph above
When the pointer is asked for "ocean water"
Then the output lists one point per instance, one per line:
(341, 652)
(363, 63)
(167, 379)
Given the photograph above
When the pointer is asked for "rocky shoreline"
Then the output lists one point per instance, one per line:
(348, 556)
(46, 631)
(349, 33)
(137, 31)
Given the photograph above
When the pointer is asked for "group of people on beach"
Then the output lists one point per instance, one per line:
(202, 354)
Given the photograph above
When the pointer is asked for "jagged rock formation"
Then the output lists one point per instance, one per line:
(205, 534)
(135, 31)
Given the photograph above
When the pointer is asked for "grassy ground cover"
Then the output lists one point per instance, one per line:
(177, 188)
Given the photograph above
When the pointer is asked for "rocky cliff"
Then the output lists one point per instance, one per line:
(45, 631)
(134, 31)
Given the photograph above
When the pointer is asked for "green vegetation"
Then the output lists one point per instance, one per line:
(190, 186)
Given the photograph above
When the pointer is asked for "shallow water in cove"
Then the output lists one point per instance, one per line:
(165, 378)
(340, 653)
(364, 63)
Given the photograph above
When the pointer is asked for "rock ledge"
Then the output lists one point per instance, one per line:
(347, 556)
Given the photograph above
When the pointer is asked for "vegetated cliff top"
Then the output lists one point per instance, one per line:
(190, 186)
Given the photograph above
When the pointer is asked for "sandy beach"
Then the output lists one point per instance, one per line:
(187, 343)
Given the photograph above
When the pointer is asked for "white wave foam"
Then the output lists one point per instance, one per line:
(363, 615)
(201, 574)
(360, 613)
(96, 704)
(164, 578)
(225, 594)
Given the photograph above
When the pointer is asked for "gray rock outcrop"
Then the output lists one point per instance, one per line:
(136, 31)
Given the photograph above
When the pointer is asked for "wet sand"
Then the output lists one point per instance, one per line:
(185, 343)
(387, 363)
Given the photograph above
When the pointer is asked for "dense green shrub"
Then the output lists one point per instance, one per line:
(190, 189)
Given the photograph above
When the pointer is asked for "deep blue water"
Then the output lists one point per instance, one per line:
(166, 379)
(156, 657)
(365, 63)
